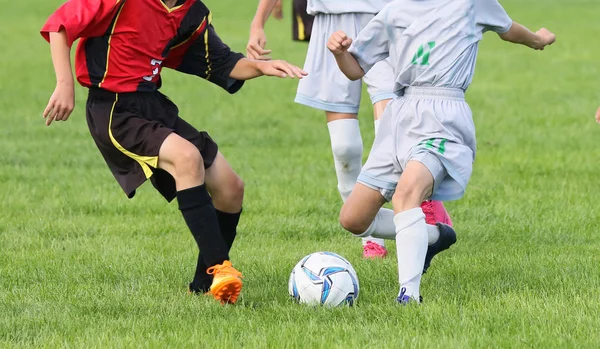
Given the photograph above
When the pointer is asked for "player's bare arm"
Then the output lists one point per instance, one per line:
(598, 116)
(338, 44)
(62, 101)
(247, 69)
(258, 40)
(519, 34)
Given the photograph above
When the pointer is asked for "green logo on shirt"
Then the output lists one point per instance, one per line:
(422, 55)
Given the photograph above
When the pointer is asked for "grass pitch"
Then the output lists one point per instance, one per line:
(82, 266)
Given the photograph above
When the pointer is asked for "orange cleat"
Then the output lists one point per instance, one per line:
(227, 282)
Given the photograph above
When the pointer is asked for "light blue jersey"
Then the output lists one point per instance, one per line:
(332, 7)
(431, 43)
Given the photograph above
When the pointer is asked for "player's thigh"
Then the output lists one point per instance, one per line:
(360, 209)
(185, 155)
(225, 186)
(207, 147)
(379, 108)
(177, 155)
(415, 185)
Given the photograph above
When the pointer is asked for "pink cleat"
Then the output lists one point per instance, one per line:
(435, 212)
(374, 250)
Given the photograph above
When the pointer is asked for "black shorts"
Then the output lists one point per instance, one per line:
(302, 22)
(129, 129)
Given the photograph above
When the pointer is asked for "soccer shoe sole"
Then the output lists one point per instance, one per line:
(227, 290)
(447, 239)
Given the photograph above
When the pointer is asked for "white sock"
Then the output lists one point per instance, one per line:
(376, 126)
(347, 148)
(383, 228)
(411, 246)
(433, 234)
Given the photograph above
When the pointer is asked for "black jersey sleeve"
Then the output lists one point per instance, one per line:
(208, 57)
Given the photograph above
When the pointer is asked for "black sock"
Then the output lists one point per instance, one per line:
(201, 218)
(228, 223)
(228, 226)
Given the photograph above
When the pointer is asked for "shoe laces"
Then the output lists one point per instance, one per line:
(225, 268)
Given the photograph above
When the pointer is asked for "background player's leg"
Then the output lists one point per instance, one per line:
(378, 109)
(347, 148)
(415, 185)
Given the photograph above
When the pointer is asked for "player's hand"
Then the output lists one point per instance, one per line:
(61, 103)
(598, 116)
(281, 69)
(256, 45)
(278, 11)
(339, 43)
(547, 37)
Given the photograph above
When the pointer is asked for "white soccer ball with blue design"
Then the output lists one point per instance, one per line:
(324, 278)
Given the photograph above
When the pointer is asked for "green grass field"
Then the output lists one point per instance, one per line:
(83, 266)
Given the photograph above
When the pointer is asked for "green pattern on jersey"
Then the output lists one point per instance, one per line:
(422, 55)
(430, 144)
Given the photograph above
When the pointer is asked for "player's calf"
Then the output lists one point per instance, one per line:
(225, 186)
(415, 185)
(227, 192)
(360, 209)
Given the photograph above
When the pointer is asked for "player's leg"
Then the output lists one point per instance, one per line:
(227, 191)
(380, 88)
(183, 161)
(362, 213)
(415, 185)
(347, 149)
(327, 89)
(361, 208)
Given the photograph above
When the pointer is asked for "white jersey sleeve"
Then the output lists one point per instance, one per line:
(372, 43)
(490, 15)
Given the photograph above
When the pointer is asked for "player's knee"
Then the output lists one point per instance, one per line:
(234, 194)
(351, 223)
(411, 191)
(347, 149)
(188, 162)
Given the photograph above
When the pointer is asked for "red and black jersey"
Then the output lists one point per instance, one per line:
(125, 43)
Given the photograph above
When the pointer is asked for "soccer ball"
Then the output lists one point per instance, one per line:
(324, 278)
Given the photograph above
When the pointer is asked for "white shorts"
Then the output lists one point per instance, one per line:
(430, 125)
(326, 87)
